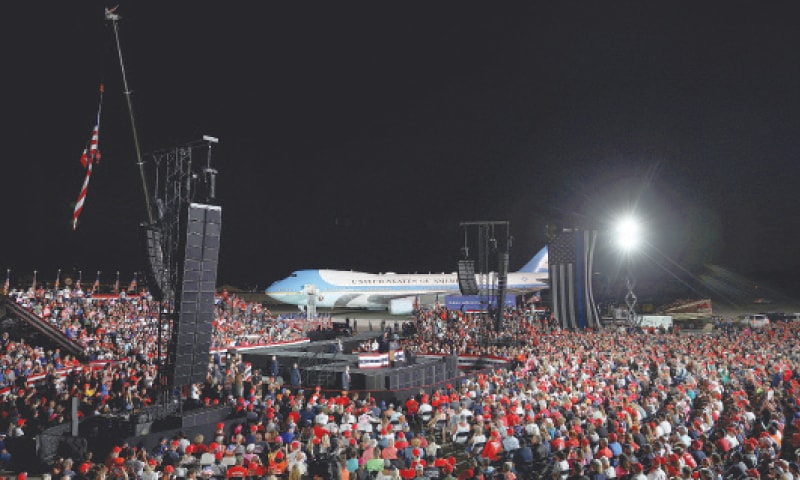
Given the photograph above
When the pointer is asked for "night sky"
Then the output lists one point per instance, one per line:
(357, 135)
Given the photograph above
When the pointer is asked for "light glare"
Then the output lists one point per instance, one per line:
(628, 234)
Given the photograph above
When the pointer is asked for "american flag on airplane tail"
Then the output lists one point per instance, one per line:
(91, 155)
(571, 257)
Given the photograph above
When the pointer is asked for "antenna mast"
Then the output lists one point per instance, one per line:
(112, 16)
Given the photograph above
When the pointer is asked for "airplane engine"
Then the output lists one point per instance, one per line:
(402, 306)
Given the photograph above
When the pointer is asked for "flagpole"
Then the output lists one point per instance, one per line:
(115, 20)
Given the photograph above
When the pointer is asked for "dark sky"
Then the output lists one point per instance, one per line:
(358, 134)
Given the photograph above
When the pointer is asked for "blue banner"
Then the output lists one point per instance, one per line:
(476, 303)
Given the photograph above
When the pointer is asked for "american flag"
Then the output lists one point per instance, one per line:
(132, 286)
(536, 297)
(96, 286)
(116, 284)
(8, 282)
(58, 280)
(91, 155)
(571, 256)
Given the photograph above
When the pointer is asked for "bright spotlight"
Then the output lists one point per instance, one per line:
(628, 234)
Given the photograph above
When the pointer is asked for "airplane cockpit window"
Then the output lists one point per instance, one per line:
(294, 275)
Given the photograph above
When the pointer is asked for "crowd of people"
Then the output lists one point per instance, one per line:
(112, 327)
(597, 404)
(443, 331)
(590, 404)
(118, 374)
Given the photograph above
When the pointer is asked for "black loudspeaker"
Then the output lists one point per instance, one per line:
(466, 277)
(375, 382)
(158, 280)
(502, 282)
(192, 337)
(72, 447)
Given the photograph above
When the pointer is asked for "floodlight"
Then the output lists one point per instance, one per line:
(628, 234)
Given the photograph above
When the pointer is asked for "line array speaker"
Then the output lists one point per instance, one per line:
(192, 337)
(466, 277)
(502, 282)
(156, 268)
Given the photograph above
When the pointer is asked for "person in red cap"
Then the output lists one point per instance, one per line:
(603, 450)
(614, 445)
(169, 472)
(277, 463)
(197, 448)
(494, 448)
(472, 471)
(637, 472)
(656, 472)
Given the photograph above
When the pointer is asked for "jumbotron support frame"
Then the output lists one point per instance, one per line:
(494, 245)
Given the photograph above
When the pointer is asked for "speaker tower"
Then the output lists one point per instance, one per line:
(192, 336)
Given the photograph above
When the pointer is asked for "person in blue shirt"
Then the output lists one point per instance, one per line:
(294, 377)
(614, 445)
(346, 379)
(274, 367)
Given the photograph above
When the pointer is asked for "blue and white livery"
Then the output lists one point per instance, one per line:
(396, 292)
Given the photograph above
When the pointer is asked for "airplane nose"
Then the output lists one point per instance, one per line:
(274, 287)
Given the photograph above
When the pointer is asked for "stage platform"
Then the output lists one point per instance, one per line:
(321, 365)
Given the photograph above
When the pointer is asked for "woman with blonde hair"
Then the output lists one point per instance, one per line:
(295, 473)
(325, 444)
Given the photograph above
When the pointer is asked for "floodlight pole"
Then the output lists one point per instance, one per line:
(627, 231)
(630, 298)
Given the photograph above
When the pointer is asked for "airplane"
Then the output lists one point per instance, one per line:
(397, 293)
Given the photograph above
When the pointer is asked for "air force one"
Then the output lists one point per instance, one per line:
(396, 292)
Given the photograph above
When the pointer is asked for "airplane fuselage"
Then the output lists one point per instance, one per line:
(395, 291)
(345, 289)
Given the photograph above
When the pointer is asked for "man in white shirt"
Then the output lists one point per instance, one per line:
(322, 417)
(656, 472)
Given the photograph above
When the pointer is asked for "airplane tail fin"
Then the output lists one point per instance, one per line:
(537, 264)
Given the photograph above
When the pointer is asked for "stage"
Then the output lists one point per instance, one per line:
(321, 365)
